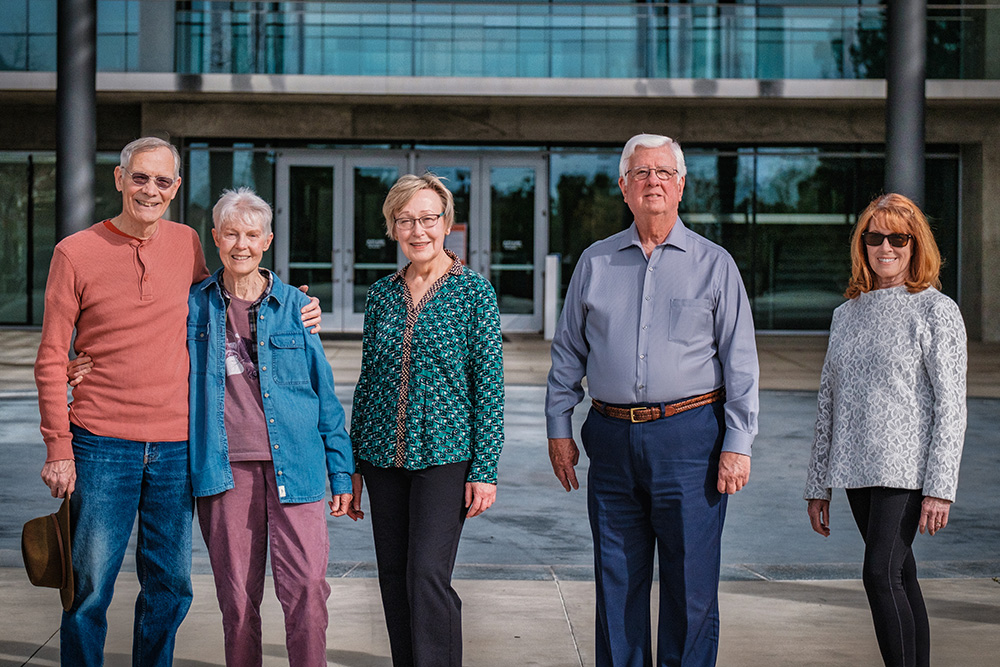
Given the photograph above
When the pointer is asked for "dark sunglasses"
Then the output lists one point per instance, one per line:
(140, 179)
(895, 240)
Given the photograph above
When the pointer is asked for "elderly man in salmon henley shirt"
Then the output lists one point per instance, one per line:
(121, 447)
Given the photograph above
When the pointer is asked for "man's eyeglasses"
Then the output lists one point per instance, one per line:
(426, 222)
(140, 179)
(642, 173)
(895, 240)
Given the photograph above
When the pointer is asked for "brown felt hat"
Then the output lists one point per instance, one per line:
(48, 554)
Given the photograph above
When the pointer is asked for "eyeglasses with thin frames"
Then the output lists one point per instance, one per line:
(426, 222)
(895, 240)
(140, 179)
(642, 173)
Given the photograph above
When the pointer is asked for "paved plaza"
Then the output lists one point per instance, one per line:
(788, 597)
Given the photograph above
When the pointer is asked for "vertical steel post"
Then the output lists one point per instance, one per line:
(76, 104)
(906, 74)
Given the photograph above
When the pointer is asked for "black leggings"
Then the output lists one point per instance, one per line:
(887, 519)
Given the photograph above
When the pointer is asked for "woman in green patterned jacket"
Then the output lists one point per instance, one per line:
(427, 422)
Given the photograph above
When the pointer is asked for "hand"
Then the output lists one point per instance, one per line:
(933, 514)
(60, 477)
(734, 472)
(819, 516)
(564, 455)
(311, 314)
(479, 496)
(340, 504)
(77, 368)
(354, 507)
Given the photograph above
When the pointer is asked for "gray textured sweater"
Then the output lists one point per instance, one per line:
(892, 395)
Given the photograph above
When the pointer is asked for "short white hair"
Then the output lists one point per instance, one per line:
(146, 144)
(242, 205)
(651, 141)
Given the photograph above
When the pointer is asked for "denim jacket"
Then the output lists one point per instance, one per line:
(305, 421)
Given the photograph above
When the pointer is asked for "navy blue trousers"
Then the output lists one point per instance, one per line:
(652, 488)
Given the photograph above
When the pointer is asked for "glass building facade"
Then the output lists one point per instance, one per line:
(782, 206)
(742, 39)
(785, 214)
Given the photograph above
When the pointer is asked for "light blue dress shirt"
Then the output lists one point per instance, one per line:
(662, 329)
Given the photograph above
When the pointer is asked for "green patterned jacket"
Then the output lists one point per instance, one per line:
(431, 385)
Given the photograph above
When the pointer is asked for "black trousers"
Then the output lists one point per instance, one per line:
(887, 519)
(417, 518)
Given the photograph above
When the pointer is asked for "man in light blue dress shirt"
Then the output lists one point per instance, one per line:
(657, 319)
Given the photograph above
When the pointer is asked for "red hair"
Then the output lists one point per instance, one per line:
(901, 216)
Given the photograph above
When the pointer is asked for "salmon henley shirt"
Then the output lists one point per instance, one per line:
(127, 300)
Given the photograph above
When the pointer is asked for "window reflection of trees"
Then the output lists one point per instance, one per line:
(586, 207)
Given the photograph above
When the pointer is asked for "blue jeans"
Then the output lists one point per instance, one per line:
(115, 480)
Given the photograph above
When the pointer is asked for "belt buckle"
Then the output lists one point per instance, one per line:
(631, 416)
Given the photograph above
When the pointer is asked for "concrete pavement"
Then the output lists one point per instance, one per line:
(789, 597)
(520, 623)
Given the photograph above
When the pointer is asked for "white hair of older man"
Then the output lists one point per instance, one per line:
(651, 141)
(146, 144)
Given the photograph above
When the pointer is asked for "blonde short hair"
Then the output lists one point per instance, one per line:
(901, 216)
(403, 191)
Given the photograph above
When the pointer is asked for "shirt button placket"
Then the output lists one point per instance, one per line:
(643, 338)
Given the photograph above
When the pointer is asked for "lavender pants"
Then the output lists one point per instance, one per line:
(238, 525)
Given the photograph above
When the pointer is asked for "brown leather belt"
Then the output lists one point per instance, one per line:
(644, 413)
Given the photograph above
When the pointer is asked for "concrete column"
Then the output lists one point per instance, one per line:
(906, 73)
(972, 277)
(991, 39)
(989, 234)
(76, 104)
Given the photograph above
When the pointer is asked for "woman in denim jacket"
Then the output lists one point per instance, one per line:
(266, 429)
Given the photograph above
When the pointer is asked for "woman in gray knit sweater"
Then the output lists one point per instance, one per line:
(891, 418)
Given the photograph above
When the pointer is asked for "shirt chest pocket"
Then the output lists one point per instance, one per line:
(197, 340)
(288, 358)
(691, 320)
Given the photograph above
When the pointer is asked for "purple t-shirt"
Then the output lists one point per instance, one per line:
(246, 428)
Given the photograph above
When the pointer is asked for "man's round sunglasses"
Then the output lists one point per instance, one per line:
(895, 240)
(140, 179)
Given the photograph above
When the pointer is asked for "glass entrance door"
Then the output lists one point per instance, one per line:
(330, 234)
(500, 226)
(329, 230)
(369, 254)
